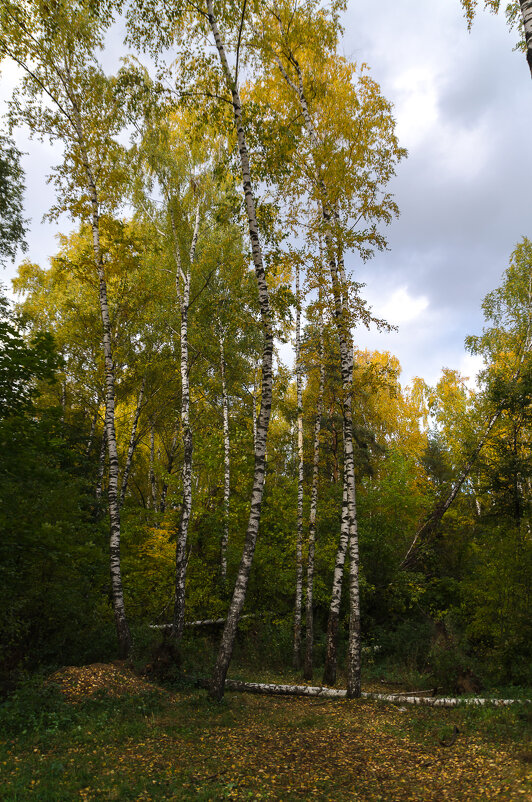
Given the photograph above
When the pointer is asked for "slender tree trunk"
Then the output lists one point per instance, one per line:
(309, 610)
(164, 490)
(101, 465)
(339, 289)
(296, 658)
(526, 11)
(329, 672)
(239, 594)
(181, 560)
(119, 609)
(122, 627)
(254, 411)
(132, 443)
(354, 651)
(227, 465)
(151, 472)
(354, 645)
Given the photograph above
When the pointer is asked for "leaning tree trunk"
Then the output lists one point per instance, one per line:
(526, 11)
(132, 443)
(181, 559)
(239, 594)
(296, 657)
(117, 594)
(309, 607)
(227, 466)
(426, 531)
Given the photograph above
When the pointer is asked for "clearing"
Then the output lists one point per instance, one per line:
(101, 732)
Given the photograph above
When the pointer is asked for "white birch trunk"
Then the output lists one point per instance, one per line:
(254, 408)
(124, 635)
(132, 443)
(227, 465)
(354, 662)
(329, 672)
(239, 594)
(346, 356)
(354, 643)
(332, 693)
(526, 11)
(309, 609)
(186, 506)
(296, 657)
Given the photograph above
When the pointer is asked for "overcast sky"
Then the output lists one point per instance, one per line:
(463, 104)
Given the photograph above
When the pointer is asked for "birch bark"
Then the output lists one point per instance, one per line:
(227, 465)
(254, 410)
(181, 558)
(296, 657)
(526, 11)
(237, 602)
(346, 357)
(124, 635)
(329, 672)
(309, 608)
(59, 57)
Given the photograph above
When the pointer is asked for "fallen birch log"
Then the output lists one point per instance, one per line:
(338, 693)
(205, 623)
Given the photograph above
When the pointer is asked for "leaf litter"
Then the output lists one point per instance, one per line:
(250, 747)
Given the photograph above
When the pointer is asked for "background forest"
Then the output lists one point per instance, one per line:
(167, 458)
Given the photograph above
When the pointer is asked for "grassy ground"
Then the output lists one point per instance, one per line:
(102, 733)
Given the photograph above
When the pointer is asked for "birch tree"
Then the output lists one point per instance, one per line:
(224, 26)
(346, 180)
(227, 458)
(164, 153)
(65, 96)
(309, 602)
(296, 658)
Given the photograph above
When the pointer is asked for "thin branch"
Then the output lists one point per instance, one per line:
(239, 40)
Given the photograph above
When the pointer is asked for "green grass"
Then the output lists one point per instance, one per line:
(162, 745)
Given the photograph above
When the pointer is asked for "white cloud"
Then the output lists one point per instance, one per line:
(469, 366)
(416, 105)
(401, 307)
